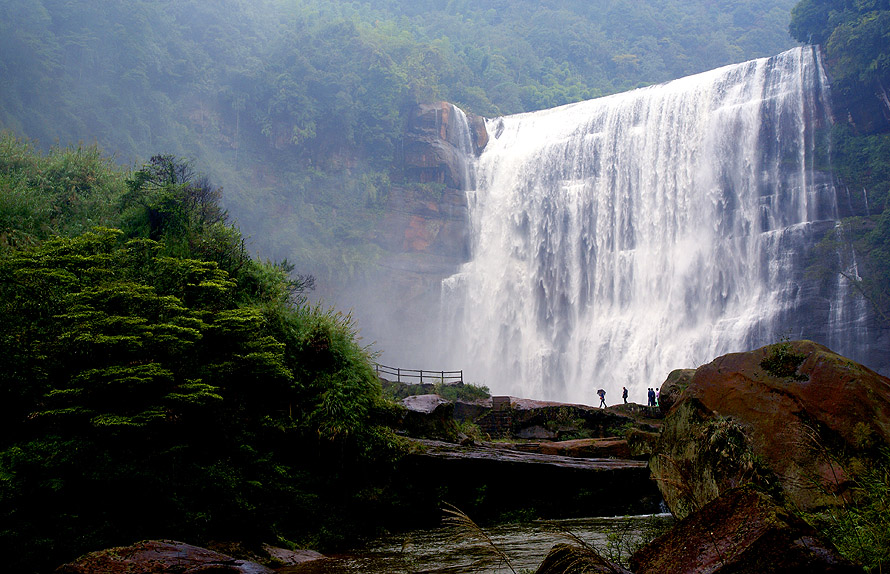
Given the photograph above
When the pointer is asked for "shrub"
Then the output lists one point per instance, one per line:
(860, 528)
(461, 391)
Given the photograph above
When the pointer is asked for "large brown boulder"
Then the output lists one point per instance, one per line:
(160, 557)
(743, 532)
(792, 417)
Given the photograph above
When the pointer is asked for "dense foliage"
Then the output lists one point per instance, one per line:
(305, 65)
(156, 381)
(299, 106)
(856, 37)
(860, 528)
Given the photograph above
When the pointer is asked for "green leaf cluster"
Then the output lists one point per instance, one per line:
(860, 527)
(856, 37)
(157, 381)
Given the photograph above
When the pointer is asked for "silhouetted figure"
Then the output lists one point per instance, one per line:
(651, 397)
(602, 395)
(624, 394)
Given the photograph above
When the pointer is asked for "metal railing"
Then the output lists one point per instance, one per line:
(418, 375)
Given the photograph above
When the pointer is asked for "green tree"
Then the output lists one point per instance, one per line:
(152, 389)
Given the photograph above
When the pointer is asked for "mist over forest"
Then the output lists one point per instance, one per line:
(297, 108)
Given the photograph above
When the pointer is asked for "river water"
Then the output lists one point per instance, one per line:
(455, 551)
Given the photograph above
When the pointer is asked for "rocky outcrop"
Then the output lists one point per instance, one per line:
(160, 557)
(424, 233)
(285, 557)
(641, 443)
(568, 559)
(471, 410)
(741, 531)
(791, 417)
(429, 416)
(437, 142)
(673, 386)
(426, 211)
(490, 480)
(550, 420)
(579, 448)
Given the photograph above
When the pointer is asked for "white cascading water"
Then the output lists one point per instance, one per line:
(620, 238)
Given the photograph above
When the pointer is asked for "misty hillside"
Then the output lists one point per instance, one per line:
(303, 103)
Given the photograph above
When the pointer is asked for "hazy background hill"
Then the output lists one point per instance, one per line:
(297, 108)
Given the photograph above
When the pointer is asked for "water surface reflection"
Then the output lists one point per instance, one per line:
(444, 550)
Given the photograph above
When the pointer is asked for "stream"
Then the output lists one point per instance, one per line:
(456, 550)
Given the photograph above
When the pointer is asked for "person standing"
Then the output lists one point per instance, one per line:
(602, 394)
(624, 394)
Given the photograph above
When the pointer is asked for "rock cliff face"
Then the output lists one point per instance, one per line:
(791, 417)
(427, 210)
(437, 141)
(425, 232)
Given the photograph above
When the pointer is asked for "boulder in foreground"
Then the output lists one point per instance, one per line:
(160, 557)
(743, 531)
(793, 418)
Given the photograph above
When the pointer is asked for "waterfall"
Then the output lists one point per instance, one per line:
(460, 137)
(620, 238)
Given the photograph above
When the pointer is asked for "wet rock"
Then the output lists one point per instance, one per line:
(429, 416)
(641, 443)
(676, 383)
(568, 559)
(535, 432)
(580, 448)
(783, 416)
(285, 557)
(424, 232)
(424, 404)
(432, 148)
(160, 557)
(471, 410)
(742, 531)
